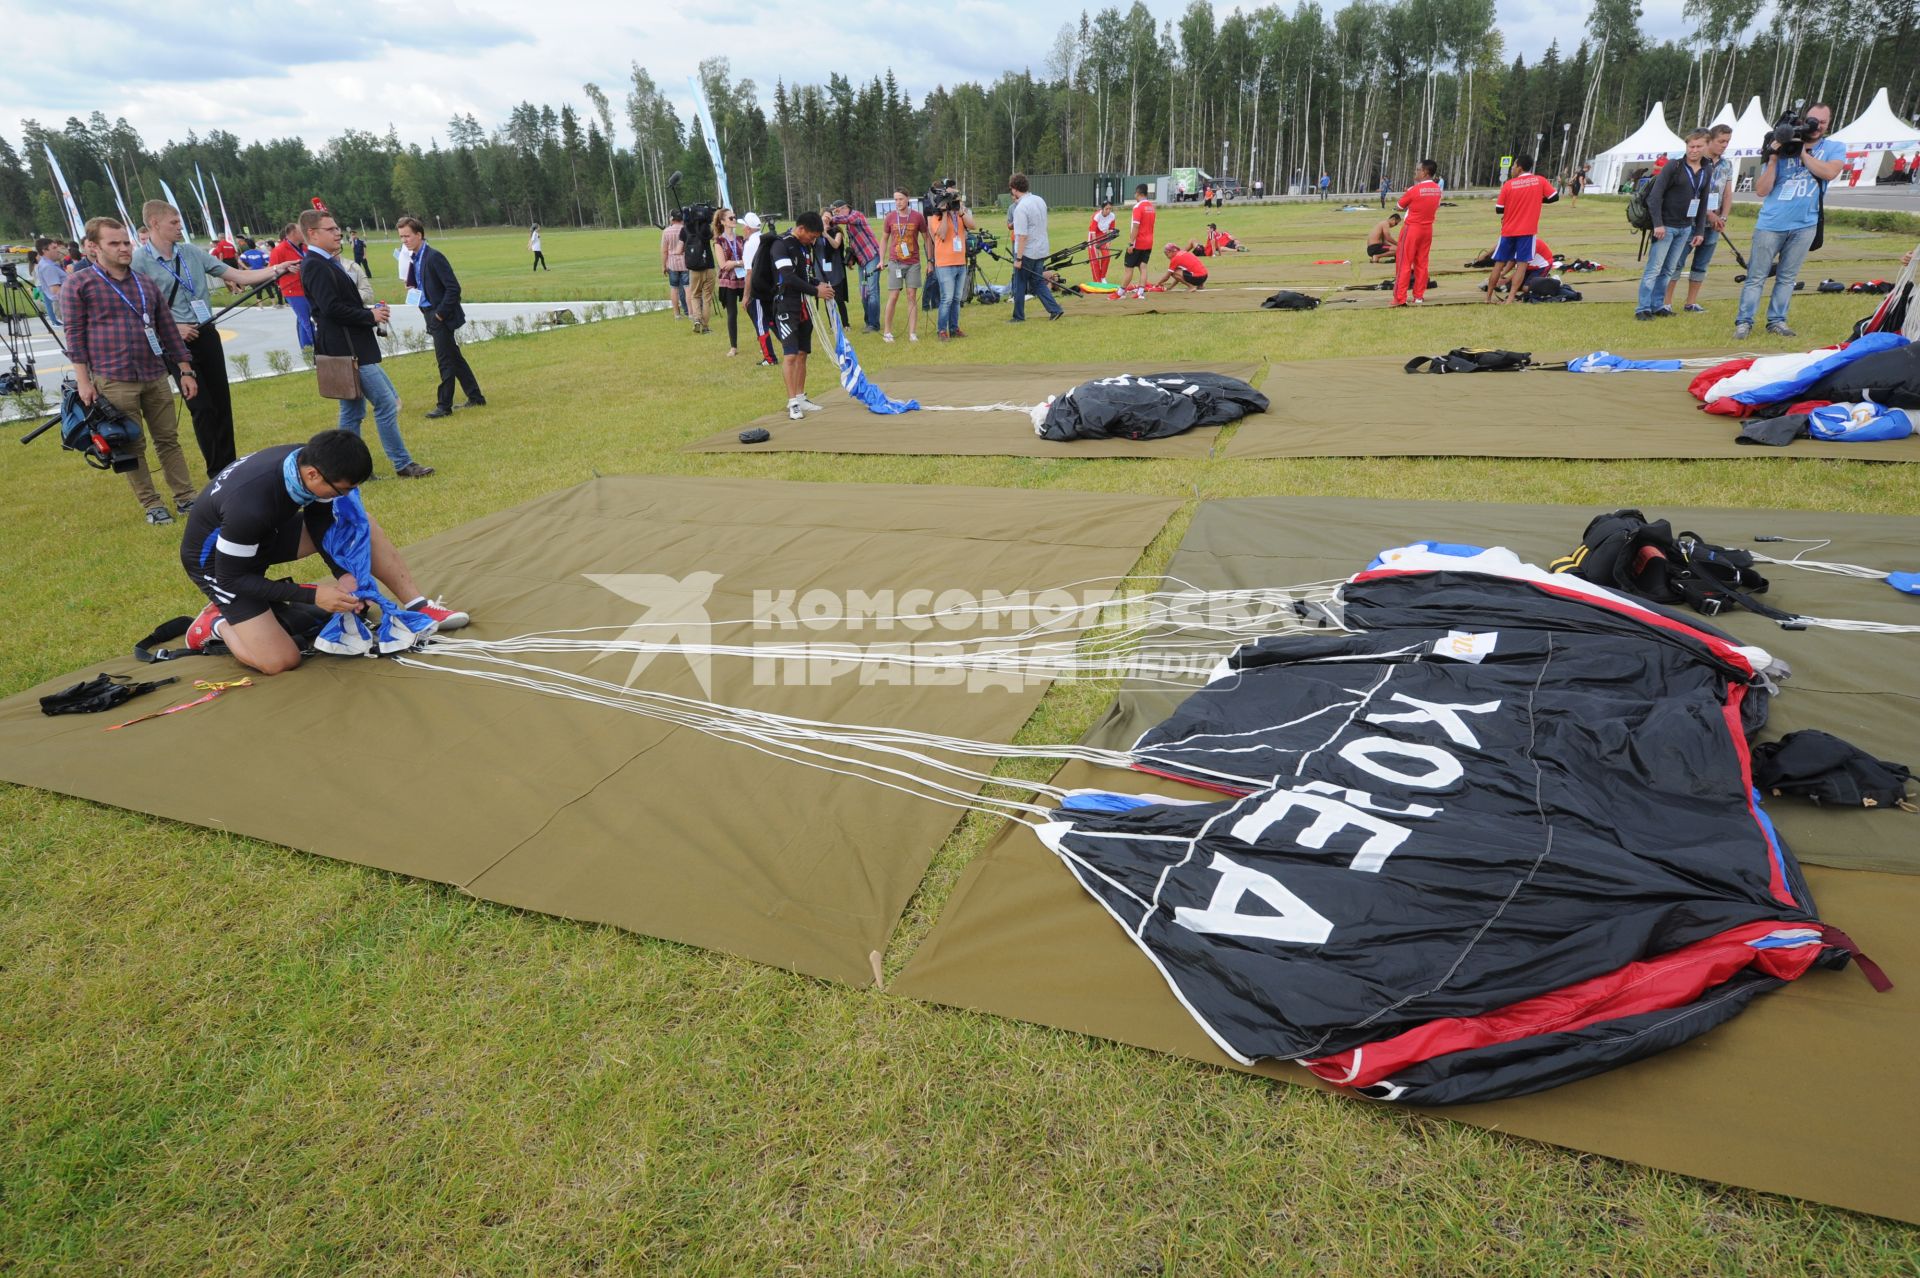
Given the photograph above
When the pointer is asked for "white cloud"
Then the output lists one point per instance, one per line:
(308, 69)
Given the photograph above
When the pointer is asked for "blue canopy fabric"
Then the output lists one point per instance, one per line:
(349, 543)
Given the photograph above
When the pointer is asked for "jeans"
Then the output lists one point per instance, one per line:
(302, 320)
(377, 387)
(1703, 257)
(1030, 277)
(53, 310)
(870, 293)
(677, 288)
(1664, 257)
(1783, 251)
(952, 280)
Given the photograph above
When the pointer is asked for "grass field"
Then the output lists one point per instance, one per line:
(224, 1057)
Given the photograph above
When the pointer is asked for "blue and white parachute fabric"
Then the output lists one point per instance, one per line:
(1606, 362)
(1777, 379)
(349, 544)
(1858, 423)
(855, 379)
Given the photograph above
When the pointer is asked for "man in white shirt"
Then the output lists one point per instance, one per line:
(1030, 249)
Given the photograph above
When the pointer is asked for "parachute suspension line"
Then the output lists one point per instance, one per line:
(1816, 565)
(1859, 572)
(907, 760)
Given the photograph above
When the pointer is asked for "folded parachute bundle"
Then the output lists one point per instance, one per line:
(1831, 423)
(1497, 836)
(1577, 264)
(1288, 300)
(1870, 286)
(1831, 286)
(1149, 406)
(1881, 368)
(1471, 359)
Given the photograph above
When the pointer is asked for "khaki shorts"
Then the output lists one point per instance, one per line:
(902, 276)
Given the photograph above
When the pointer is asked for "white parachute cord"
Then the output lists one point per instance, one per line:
(980, 408)
(1816, 565)
(1855, 627)
(751, 730)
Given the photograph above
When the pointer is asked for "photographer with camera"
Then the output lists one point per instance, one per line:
(122, 339)
(1798, 160)
(948, 221)
(696, 235)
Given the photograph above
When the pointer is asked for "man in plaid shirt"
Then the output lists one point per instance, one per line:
(866, 251)
(121, 335)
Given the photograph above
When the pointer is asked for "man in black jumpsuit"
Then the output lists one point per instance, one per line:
(794, 281)
(272, 507)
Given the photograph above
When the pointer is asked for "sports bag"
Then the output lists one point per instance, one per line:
(1288, 300)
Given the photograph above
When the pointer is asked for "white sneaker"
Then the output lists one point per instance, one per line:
(806, 405)
(887, 336)
(794, 411)
(913, 337)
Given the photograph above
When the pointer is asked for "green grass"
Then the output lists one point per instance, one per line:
(495, 266)
(225, 1057)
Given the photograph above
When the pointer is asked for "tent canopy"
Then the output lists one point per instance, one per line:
(1725, 116)
(1874, 136)
(1644, 145)
(1749, 131)
(1878, 129)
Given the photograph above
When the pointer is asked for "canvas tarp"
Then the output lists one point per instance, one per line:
(580, 810)
(843, 426)
(1372, 408)
(1803, 1095)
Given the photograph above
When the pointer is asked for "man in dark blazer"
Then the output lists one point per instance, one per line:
(431, 273)
(343, 325)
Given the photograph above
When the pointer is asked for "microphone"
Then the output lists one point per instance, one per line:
(675, 179)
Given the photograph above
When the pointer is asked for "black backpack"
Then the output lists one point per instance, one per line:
(760, 274)
(1288, 300)
(1626, 551)
(1639, 215)
(1471, 359)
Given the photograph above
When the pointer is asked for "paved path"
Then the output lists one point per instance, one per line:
(257, 331)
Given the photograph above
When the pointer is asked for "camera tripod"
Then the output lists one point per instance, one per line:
(17, 333)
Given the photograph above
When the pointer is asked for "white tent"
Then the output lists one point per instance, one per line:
(1749, 131)
(1875, 136)
(1726, 117)
(1640, 149)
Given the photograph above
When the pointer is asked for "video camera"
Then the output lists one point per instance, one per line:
(105, 437)
(981, 241)
(942, 197)
(1790, 135)
(698, 219)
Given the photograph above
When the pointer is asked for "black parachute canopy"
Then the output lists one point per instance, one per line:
(1149, 406)
(1500, 835)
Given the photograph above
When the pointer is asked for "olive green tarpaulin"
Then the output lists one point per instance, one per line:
(1806, 1094)
(584, 811)
(1373, 408)
(845, 426)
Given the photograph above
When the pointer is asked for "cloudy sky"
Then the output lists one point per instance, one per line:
(300, 68)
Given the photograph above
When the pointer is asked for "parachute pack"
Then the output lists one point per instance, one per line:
(1645, 558)
(1471, 359)
(1288, 300)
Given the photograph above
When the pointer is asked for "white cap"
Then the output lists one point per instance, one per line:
(751, 221)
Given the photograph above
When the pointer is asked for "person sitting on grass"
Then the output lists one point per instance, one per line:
(272, 507)
(1381, 241)
(1182, 265)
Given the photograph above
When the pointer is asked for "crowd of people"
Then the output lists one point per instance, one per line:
(135, 311)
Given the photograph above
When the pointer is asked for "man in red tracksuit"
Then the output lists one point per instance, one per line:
(1420, 202)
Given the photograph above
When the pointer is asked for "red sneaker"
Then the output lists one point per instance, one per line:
(447, 618)
(200, 633)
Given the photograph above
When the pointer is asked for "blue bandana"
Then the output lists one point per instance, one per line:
(290, 471)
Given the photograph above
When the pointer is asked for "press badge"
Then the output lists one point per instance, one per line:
(1693, 208)
(153, 339)
(1713, 203)
(202, 311)
(959, 244)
